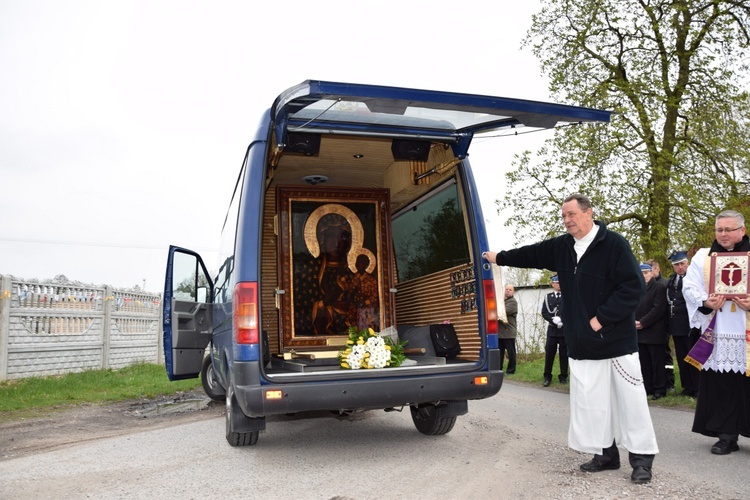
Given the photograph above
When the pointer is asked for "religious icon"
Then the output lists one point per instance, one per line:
(729, 274)
(335, 263)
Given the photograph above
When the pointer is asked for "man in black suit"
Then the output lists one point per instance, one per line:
(552, 313)
(652, 334)
(668, 361)
(679, 324)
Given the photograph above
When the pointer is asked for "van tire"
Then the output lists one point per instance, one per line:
(210, 382)
(428, 420)
(233, 421)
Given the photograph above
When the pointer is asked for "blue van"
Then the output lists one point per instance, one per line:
(355, 210)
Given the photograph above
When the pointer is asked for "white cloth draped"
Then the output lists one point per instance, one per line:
(608, 402)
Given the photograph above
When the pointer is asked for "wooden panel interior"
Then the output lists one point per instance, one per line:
(368, 163)
(355, 162)
(269, 265)
(428, 300)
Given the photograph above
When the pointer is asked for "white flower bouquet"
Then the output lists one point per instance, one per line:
(367, 349)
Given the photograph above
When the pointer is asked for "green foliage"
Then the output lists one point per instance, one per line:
(141, 380)
(678, 149)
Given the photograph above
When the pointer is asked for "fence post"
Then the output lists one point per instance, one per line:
(5, 301)
(107, 304)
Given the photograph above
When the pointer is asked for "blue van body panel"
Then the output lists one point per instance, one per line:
(247, 248)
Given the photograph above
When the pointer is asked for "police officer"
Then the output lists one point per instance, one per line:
(552, 313)
(679, 324)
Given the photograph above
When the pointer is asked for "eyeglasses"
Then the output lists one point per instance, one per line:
(721, 230)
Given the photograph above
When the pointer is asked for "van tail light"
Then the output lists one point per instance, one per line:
(490, 306)
(246, 313)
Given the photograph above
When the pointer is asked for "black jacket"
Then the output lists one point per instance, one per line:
(678, 320)
(607, 283)
(650, 312)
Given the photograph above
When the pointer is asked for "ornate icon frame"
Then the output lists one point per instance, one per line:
(300, 210)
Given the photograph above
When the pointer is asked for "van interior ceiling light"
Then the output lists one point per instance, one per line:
(315, 179)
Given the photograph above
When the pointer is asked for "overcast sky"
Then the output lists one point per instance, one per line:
(123, 124)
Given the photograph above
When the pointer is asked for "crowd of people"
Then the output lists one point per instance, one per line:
(610, 321)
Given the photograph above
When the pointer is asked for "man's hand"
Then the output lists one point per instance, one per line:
(638, 325)
(743, 302)
(715, 302)
(557, 321)
(595, 325)
(490, 257)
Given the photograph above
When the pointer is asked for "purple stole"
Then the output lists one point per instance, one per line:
(704, 347)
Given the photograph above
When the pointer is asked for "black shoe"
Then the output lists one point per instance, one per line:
(510, 372)
(641, 475)
(563, 379)
(547, 381)
(724, 447)
(596, 465)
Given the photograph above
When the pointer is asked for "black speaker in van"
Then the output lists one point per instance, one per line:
(445, 340)
(407, 149)
(309, 144)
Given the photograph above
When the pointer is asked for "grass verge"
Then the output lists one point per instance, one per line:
(142, 380)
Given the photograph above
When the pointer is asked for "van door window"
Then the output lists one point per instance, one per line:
(430, 234)
(189, 282)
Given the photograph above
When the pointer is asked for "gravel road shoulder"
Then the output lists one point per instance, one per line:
(63, 426)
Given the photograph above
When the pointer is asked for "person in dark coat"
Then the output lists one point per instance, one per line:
(601, 287)
(679, 324)
(552, 313)
(652, 334)
(507, 331)
(668, 360)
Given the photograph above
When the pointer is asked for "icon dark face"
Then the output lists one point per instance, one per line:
(362, 262)
(334, 236)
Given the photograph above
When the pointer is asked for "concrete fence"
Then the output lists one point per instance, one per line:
(55, 328)
(532, 328)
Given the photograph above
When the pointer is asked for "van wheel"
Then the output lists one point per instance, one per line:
(233, 420)
(210, 382)
(428, 420)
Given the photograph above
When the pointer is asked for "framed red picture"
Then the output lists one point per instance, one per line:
(335, 263)
(729, 275)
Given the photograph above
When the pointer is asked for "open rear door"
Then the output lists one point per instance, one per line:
(449, 117)
(187, 310)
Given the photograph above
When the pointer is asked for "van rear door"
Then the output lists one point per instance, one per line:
(317, 106)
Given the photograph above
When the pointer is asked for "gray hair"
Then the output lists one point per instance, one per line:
(583, 202)
(732, 214)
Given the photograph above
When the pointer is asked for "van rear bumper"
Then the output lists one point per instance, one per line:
(353, 394)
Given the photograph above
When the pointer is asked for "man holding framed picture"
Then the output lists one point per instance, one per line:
(716, 293)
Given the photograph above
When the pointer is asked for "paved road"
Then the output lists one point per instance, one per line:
(510, 446)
